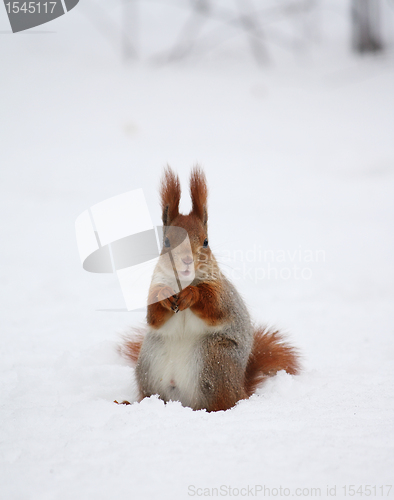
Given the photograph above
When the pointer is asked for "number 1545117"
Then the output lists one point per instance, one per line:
(31, 7)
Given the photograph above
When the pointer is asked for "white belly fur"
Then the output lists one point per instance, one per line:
(175, 366)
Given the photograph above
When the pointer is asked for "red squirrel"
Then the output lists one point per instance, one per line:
(200, 347)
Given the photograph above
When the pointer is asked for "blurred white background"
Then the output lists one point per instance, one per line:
(294, 127)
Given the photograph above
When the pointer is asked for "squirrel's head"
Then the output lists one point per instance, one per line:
(186, 236)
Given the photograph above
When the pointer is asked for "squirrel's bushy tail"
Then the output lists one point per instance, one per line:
(270, 354)
(131, 346)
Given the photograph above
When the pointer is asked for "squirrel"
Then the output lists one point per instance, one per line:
(200, 346)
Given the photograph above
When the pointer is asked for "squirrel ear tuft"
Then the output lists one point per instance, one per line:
(170, 192)
(199, 194)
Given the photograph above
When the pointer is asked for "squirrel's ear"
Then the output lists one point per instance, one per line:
(199, 194)
(170, 192)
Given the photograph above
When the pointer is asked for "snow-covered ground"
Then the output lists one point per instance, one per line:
(299, 157)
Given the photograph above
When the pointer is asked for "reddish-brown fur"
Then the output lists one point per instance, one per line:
(131, 346)
(159, 312)
(199, 194)
(269, 355)
(170, 196)
(205, 302)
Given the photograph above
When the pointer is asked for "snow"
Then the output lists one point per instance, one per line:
(299, 157)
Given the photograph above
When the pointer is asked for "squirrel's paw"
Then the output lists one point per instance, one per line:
(167, 298)
(187, 297)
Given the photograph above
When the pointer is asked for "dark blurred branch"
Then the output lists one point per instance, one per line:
(366, 35)
(191, 29)
(247, 19)
(253, 29)
(130, 28)
(110, 29)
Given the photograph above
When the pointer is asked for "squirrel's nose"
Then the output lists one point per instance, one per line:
(188, 260)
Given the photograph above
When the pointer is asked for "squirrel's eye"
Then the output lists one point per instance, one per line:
(167, 243)
(205, 243)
